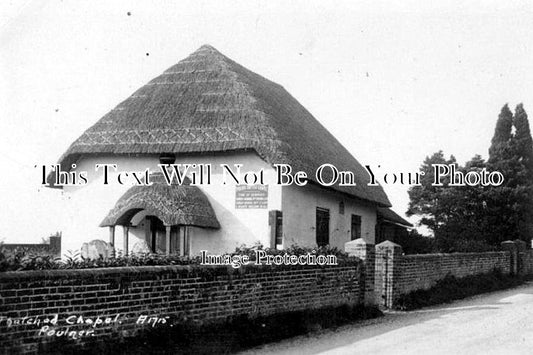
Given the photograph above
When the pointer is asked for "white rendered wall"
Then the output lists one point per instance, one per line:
(299, 216)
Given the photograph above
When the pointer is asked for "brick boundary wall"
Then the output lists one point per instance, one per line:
(423, 271)
(398, 274)
(121, 295)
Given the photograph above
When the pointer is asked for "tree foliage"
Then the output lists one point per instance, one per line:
(475, 218)
(510, 205)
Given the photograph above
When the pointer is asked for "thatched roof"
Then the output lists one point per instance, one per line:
(388, 215)
(208, 103)
(173, 204)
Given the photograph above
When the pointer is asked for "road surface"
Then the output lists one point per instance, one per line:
(495, 323)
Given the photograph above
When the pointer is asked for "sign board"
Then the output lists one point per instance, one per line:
(251, 196)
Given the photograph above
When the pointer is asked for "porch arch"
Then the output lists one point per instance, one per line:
(175, 205)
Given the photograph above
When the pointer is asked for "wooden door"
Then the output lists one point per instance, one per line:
(322, 226)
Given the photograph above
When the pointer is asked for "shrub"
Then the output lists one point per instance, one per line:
(461, 245)
(291, 250)
(21, 259)
(415, 243)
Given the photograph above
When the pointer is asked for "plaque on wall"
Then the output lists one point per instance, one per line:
(251, 196)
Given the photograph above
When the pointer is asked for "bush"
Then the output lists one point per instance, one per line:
(459, 245)
(21, 259)
(292, 250)
(415, 243)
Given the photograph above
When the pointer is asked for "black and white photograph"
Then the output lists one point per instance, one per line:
(266, 177)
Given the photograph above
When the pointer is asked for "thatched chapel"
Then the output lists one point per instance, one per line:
(209, 110)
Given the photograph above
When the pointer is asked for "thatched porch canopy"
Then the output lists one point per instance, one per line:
(175, 204)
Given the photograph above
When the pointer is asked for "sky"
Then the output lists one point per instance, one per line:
(392, 81)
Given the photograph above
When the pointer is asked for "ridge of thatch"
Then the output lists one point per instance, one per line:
(209, 103)
(173, 204)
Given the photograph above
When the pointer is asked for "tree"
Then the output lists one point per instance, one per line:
(502, 135)
(510, 206)
(430, 201)
(474, 218)
(523, 143)
(452, 213)
(523, 193)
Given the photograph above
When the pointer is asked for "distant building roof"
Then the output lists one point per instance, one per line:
(389, 215)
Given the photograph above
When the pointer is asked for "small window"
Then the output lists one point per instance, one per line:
(279, 228)
(322, 226)
(356, 227)
(167, 158)
(341, 207)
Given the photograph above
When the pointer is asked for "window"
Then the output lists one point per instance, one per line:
(155, 234)
(167, 158)
(341, 207)
(356, 227)
(322, 226)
